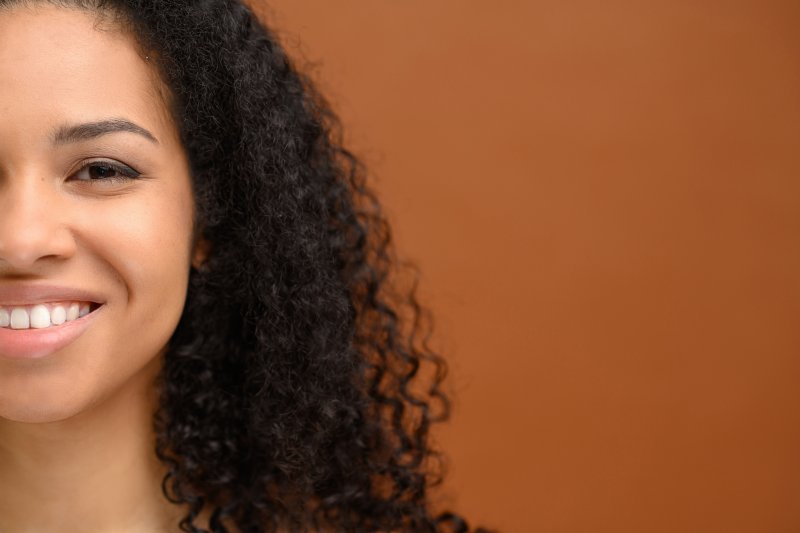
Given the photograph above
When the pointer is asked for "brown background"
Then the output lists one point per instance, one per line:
(604, 199)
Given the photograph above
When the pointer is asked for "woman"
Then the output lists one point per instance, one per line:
(197, 326)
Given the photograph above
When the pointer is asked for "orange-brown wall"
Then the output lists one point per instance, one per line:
(604, 199)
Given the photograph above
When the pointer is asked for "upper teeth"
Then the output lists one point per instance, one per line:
(42, 315)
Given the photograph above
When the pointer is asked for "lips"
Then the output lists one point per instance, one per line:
(22, 294)
(38, 343)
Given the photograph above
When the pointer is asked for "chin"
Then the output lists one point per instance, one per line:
(36, 414)
(39, 405)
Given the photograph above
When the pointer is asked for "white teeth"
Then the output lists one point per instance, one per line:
(58, 315)
(40, 317)
(20, 318)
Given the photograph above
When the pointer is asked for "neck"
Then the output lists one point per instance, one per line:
(96, 471)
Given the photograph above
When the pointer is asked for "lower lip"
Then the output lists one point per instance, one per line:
(38, 343)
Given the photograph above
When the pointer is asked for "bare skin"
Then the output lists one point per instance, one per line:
(76, 442)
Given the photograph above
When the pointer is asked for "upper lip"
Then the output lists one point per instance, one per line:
(29, 293)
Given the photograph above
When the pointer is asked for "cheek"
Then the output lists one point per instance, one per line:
(143, 238)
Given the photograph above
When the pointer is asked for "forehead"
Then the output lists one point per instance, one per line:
(60, 65)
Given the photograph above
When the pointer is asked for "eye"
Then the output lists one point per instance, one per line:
(106, 171)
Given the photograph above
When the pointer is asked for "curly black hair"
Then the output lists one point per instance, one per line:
(298, 389)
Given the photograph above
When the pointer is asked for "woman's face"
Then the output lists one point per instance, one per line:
(96, 200)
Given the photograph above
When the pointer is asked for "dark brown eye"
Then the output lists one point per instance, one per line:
(106, 171)
(100, 172)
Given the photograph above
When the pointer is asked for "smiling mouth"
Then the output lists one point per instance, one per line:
(44, 315)
(37, 343)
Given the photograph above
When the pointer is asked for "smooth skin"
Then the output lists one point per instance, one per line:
(76, 442)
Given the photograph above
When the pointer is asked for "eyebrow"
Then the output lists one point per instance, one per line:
(72, 133)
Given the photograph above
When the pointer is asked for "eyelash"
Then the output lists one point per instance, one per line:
(126, 173)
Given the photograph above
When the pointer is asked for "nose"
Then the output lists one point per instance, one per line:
(33, 224)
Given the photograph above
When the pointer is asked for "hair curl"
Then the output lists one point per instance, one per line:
(293, 392)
